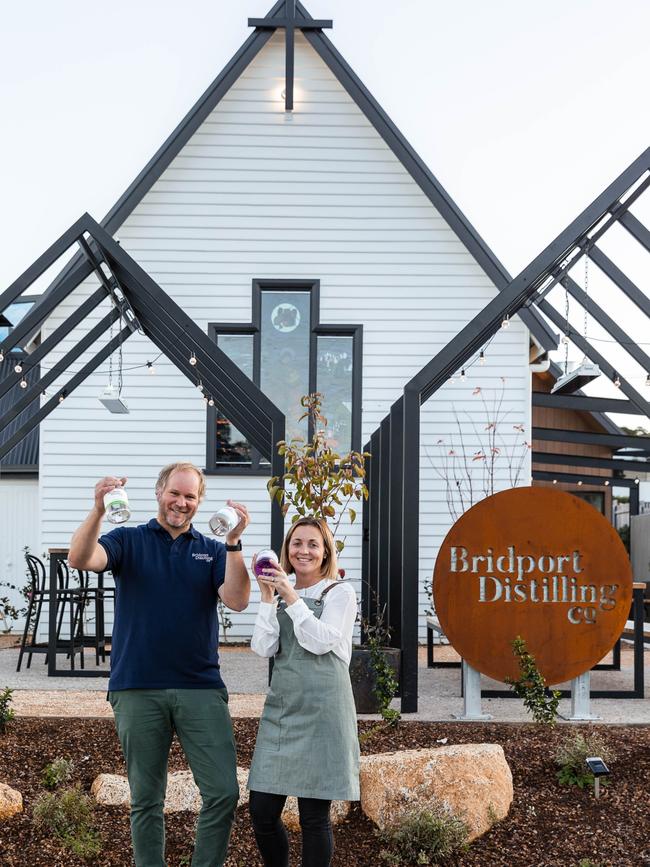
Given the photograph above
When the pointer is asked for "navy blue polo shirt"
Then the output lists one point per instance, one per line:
(165, 631)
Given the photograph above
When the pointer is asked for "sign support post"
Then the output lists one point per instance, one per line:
(580, 696)
(472, 695)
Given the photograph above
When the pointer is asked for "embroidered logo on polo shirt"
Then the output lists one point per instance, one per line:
(206, 557)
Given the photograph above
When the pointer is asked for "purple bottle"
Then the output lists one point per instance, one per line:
(266, 559)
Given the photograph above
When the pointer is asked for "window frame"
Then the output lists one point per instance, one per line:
(316, 330)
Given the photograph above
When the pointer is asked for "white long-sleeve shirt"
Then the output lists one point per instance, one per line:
(332, 631)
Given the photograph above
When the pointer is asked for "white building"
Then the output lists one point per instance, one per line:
(321, 253)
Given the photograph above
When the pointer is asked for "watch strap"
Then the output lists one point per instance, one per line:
(236, 547)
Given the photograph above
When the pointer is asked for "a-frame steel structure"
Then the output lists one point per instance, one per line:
(390, 564)
(138, 301)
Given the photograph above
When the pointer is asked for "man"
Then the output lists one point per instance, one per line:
(164, 658)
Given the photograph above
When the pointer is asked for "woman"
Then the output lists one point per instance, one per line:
(307, 743)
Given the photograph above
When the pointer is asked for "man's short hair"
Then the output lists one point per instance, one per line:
(179, 466)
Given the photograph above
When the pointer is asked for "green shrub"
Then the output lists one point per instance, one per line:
(6, 713)
(531, 686)
(571, 755)
(427, 837)
(68, 816)
(57, 773)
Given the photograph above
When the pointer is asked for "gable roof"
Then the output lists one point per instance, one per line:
(375, 114)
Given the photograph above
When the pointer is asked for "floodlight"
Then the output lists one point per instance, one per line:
(111, 399)
(576, 379)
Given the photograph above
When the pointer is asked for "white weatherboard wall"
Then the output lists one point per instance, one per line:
(259, 193)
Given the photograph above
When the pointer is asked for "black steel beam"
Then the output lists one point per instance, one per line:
(410, 552)
(590, 438)
(395, 497)
(606, 368)
(584, 403)
(620, 279)
(636, 229)
(365, 543)
(595, 463)
(55, 338)
(51, 375)
(67, 389)
(44, 261)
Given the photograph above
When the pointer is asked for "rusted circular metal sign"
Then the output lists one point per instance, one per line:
(535, 563)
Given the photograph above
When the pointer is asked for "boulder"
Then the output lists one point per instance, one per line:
(11, 802)
(473, 781)
(112, 790)
(290, 816)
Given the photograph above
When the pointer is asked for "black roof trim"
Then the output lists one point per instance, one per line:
(416, 167)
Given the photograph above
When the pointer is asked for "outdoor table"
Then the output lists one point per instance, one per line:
(57, 556)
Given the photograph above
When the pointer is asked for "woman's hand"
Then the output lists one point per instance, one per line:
(276, 579)
(266, 589)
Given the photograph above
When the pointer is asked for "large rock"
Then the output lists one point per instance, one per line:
(291, 818)
(11, 802)
(112, 790)
(472, 780)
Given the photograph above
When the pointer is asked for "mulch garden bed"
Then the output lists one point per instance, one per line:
(548, 826)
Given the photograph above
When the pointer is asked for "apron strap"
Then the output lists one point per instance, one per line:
(330, 587)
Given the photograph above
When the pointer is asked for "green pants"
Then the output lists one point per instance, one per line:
(146, 720)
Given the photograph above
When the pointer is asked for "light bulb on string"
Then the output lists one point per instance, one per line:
(199, 385)
(555, 481)
(62, 397)
(23, 383)
(462, 375)
(211, 402)
(481, 358)
(505, 322)
(565, 339)
(607, 483)
(2, 356)
(152, 369)
(647, 381)
(18, 368)
(636, 481)
(617, 380)
(579, 482)
(193, 360)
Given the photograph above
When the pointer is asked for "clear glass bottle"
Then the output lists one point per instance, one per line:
(116, 503)
(223, 521)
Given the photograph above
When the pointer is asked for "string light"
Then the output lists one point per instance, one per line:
(607, 483)
(636, 481)
(23, 383)
(199, 385)
(579, 482)
(62, 397)
(555, 481)
(481, 358)
(152, 369)
(205, 399)
(451, 380)
(462, 375)
(2, 356)
(193, 360)
(18, 368)
(647, 380)
(617, 380)
(211, 402)
(565, 339)
(505, 322)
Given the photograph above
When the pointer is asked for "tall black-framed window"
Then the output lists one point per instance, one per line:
(287, 352)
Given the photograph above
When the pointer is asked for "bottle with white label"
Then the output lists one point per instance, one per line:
(116, 504)
(223, 521)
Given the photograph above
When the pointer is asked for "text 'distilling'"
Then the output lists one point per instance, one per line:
(507, 578)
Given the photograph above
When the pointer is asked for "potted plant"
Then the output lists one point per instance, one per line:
(322, 483)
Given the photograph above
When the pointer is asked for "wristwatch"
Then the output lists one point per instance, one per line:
(236, 547)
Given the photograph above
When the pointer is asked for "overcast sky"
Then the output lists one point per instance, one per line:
(523, 110)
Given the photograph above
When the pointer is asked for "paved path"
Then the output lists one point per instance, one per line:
(246, 676)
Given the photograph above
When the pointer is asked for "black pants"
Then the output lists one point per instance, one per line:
(271, 835)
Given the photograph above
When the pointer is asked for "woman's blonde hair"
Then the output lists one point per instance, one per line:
(329, 566)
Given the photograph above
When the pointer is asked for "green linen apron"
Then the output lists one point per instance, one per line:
(307, 743)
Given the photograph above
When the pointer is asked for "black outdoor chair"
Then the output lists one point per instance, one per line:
(95, 597)
(39, 592)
